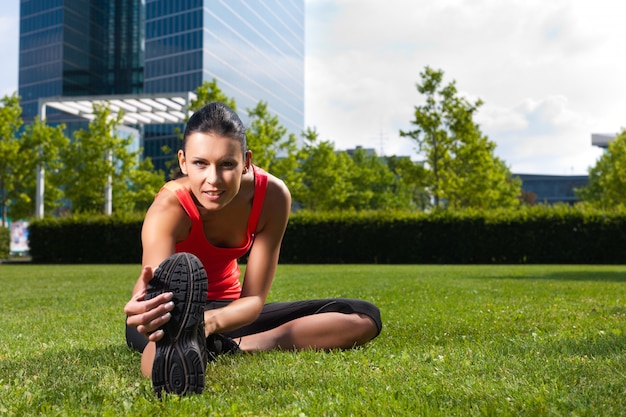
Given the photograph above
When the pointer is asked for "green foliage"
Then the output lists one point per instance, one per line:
(265, 136)
(336, 180)
(373, 186)
(457, 341)
(481, 179)
(86, 238)
(539, 234)
(411, 178)
(78, 170)
(5, 242)
(44, 143)
(462, 170)
(209, 92)
(272, 148)
(89, 161)
(324, 183)
(533, 235)
(141, 185)
(607, 179)
(99, 154)
(10, 155)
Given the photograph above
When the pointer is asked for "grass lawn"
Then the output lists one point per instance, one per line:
(458, 340)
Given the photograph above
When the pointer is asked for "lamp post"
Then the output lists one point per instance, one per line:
(39, 191)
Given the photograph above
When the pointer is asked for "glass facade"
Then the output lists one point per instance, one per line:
(79, 48)
(41, 53)
(552, 189)
(254, 48)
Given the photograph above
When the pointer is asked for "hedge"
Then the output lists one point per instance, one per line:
(561, 235)
(86, 239)
(543, 235)
(5, 243)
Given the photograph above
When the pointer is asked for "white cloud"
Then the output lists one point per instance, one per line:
(549, 73)
(545, 133)
(9, 46)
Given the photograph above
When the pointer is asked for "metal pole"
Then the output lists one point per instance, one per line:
(108, 190)
(39, 192)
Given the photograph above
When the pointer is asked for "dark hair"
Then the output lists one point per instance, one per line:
(219, 119)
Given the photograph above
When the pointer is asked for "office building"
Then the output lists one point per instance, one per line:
(255, 50)
(78, 48)
(552, 189)
(602, 140)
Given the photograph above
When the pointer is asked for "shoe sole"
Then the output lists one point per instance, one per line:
(180, 361)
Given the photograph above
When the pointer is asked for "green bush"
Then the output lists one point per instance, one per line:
(86, 239)
(5, 242)
(542, 234)
(537, 235)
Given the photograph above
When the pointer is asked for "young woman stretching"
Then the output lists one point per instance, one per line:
(192, 307)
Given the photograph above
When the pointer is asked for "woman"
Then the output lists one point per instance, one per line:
(196, 229)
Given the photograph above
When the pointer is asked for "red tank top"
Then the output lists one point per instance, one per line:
(220, 264)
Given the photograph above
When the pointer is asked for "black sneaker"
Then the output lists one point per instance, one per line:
(218, 344)
(180, 360)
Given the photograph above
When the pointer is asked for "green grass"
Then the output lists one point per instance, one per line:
(458, 340)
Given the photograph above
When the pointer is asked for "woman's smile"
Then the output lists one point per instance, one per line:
(213, 195)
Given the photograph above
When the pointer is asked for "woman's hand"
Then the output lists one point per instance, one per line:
(148, 316)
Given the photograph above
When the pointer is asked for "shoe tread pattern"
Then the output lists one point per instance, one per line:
(180, 360)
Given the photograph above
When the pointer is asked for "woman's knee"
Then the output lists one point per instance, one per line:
(368, 329)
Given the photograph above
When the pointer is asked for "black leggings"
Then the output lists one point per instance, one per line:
(276, 314)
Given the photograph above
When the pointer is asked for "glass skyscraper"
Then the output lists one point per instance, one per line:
(254, 48)
(79, 48)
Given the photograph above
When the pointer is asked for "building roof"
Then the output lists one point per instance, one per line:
(139, 109)
(602, 140)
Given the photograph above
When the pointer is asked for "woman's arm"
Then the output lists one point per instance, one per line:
(261, 265)
(165, 220)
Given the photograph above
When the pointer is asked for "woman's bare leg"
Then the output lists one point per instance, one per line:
(147, 358)
(319, 331)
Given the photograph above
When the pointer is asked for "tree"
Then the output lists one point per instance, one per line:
(462, 170)
(10, 122)
(209, 92)
(431, 136)
(99, 156)
(136, 192)
(607, 178)
(338, 180)
(324, 183)
(41, 146)
(273, 149)
(411, 177)
(482, 180)
(38, 146)
(372, 184)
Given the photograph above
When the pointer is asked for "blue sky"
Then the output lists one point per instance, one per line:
(550, 73)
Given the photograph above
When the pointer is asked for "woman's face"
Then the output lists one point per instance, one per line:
(214, 166)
